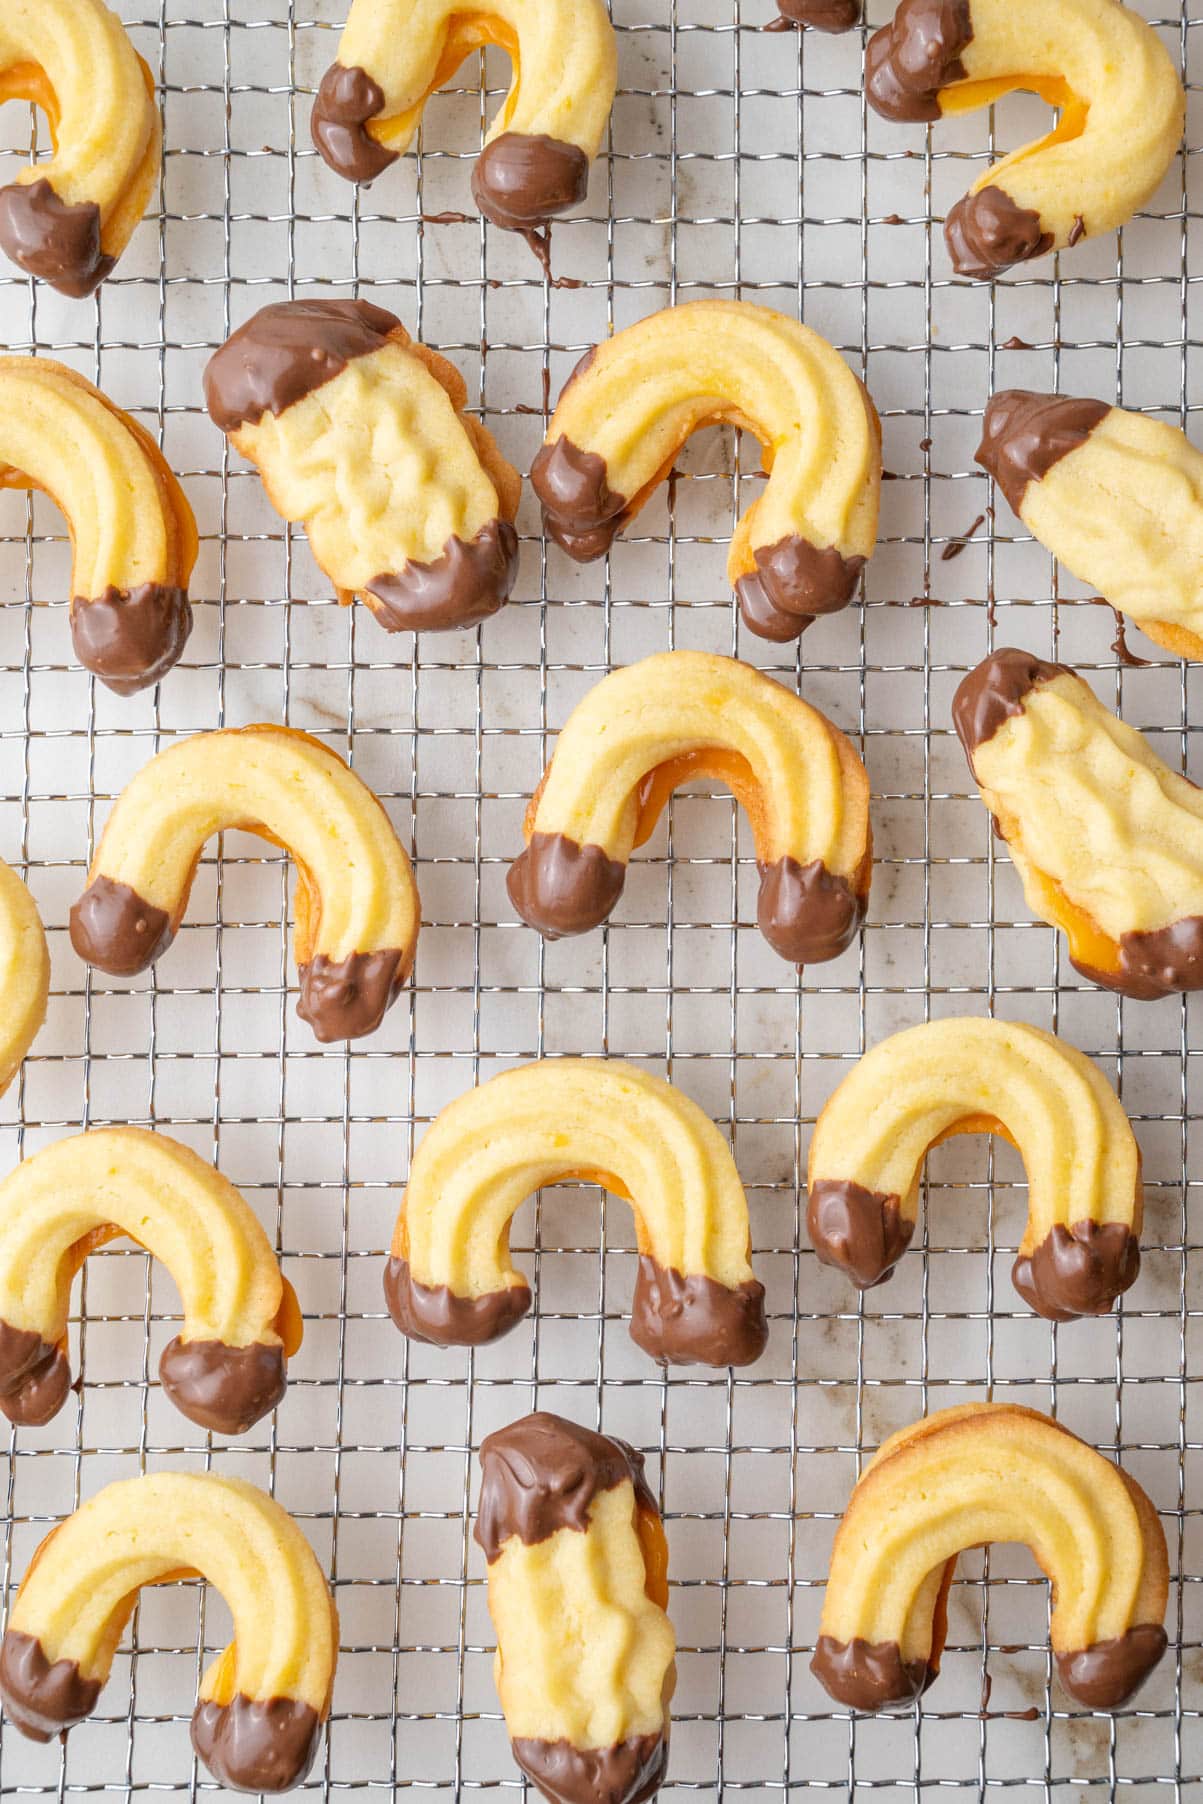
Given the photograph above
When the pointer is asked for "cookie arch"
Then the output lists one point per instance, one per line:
(24, 973)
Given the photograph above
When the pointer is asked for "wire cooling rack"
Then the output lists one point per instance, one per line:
(738, 162)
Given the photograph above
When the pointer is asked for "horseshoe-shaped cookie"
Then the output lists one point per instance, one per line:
(24, 973)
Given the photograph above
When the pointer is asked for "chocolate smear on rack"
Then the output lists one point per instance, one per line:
(1024, 434)
(52, 238)
(226, 1389)
(468, 581)
(561, 888)
(863, 1232)
(257, 1744)
(116, 929)
(42, 1697)
(627, 1773)
(343, 999)
(808, 913)
(987, 232)
(34, 1376)
(868, 1675)
(541, 1474)
(130, 638)
(995, 690)
(919, 52)
(691, 1319)
(285, 352)
(1078, 1270)
(437, 1314)
(346, 100)
(1106, 1675)
(522, 179)
(955, 547)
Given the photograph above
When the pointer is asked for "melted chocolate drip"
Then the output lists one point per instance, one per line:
(806, 912)
(821, 15)
(41, 1698)
(561, 888)
(580, 510)
(627, 1773)
(522, 179)
(1106, 1675)
(995, 691)
(48, 237)
(130, 638)
(34, 1376)
(690, 1319)
(909, 60)
(541, 1474)
(286, 351)
(1025, 434)
(987, 232)
(1079, 1270)
(1163, 961)
(227, 1389)
(113, 928)
(257, 1744)
(869, 1675)
(434, 1313)
(864, 1232)
(343, 999)
(346, 100)
(468, 581)
(794, 582)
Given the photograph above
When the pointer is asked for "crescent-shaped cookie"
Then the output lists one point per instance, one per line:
(631, 403)
(450, 1279)
(964, 1478)
(24, 973)
(263, 1701)
(1117, 496)
(394, 54)
(227, 1368)
(669, 719)
(1120, 99)
(1080, 1247)
(132, 532)
(578, 1593)
(1107, 839)
(356, 904)
(68, 219)
(361, 434)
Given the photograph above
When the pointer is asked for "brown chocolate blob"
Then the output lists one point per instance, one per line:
(223, 1388)
(580, 510)
(1025, 434)
(130, 638)
(346, 100)
(254, 1744)
(468, 581)
(42, 1699)
(908, 61)
(343, 999)
(987, 231)
(286, 351)
(1079, 1270)
(795, 581)
(541, 1473)
(869, 1675)
(51, 238)
(806, 912)
(821, 15)
(864, 1232)
(434, 1313)
(1160, 962)
(626, 1773)
(114, 928)
(995, 691)
(561, 888)
(523, 179)
(1105, 1676)
(34, 1376)
(686, 1319)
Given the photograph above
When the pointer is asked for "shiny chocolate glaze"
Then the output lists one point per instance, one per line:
(1160, 962)
(346, 100)
(434, 1313)
(995, 690)
(469, 580)
(689, 1319)
(34, 1376)
(541, 1473)
(987, 231)
(1025, 434)
(343, 999)
(864, 1232)
(523, 179)
(1079, 1270)
(51, 238)
(286, 351)
(257, 1744)
(130, 638)
(806, 912)
(794, 582)
(821, 15)
(1105, 1676)
(919, 52)
(561, 888)
(627, 1773)
(113, 928)
(223, 1388)
(581, 511)
(42, 1698)
(869, 1675)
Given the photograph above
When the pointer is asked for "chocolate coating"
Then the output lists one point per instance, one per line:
(821, 15)
(987, 231)
(34, 1376)
(346, 100)
(286, 351)
(581, 511)
(690, 1319)
(995, 690)
(1163, 961)
(1079, 1270)
(806, 912)
(523, 179)
(626, 1773)
(223, 1388)
(41, 1698)
(793, 582)
(869, 1675)
(541, 1473)
(864, 1232)
(469, 580)
(1025, 434)
(254, 1744)
(130, 638)
(1105, 1676)
(434, 1313)
(51, 238)
(561, 888)
(113, 928)
(919, 52)
(343, 999)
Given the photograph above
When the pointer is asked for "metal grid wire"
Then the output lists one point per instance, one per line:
(738, 162)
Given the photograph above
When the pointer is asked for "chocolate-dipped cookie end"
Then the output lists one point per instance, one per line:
(257, 1744)
(226, 1389)
(42, 1697)
(807, 913)
(130, 638)
(469, 580)
(869, 1675)
(627, 1773)
(53, 239)
(346, 100)
(919, 52)
(1078, 1270)
(792, 584)
(434, 1313)
(346, 998)
(561, 888)
(1106, 1675)
(863, 1232)
(1024, 434)
(582, 513)
(995, 690)
(690, 1319)
(522, 179)
(987, 232)
(541, 1474)
(34, 1377)
(116, 929)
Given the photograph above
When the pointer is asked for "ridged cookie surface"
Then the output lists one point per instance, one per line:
(24, 973)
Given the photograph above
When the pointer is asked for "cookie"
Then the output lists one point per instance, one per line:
(241, 1321)
(449, 1278)
(1080, 1247)
(133, 536)
(1107, 839)
(68, 219)
(966, 1477)
(24, 973)
(361, 435)
(578, 1593)
(1107, 72)
(631, 403)
(394, 54)
(356, 902)
(263, 1701)
(670, 719)
(1116, 496)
